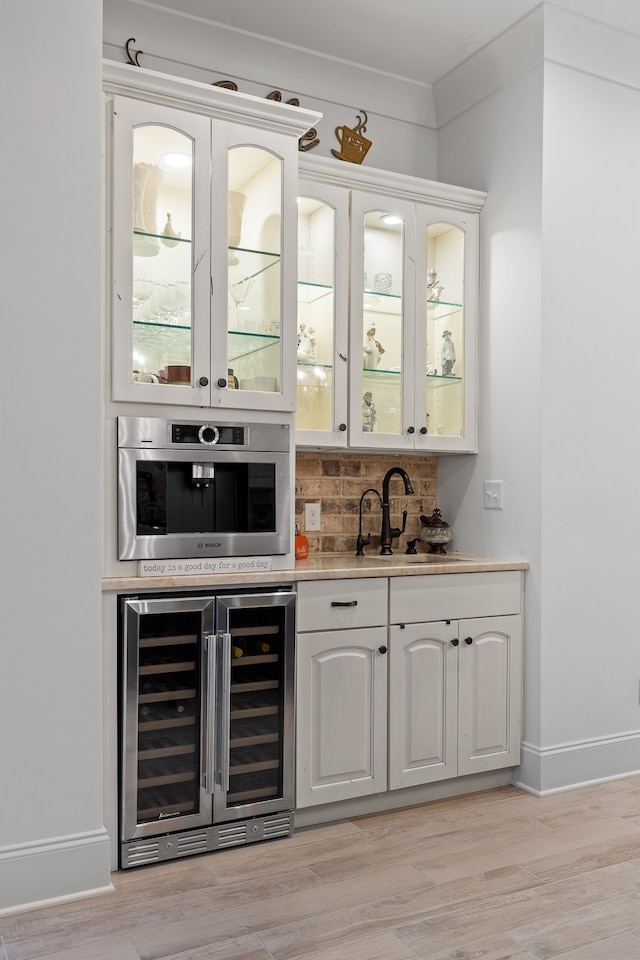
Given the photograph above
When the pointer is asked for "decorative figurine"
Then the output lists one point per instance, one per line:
(434, 288)
(372, 350)
(369, 415)
(435, 531)
(306, 344)
(447, 354)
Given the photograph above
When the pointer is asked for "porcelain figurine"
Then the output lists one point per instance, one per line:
(447, 354)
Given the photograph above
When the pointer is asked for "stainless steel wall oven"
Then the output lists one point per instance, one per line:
(207, 690)
(202, 489)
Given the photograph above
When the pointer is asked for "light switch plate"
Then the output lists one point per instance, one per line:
(493, 494)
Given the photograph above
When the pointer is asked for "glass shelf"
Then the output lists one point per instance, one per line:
(242, 344)
(165, 240)
(442, 308)
(310, 292)
(388, 376)
(382, 303)
(245, 264)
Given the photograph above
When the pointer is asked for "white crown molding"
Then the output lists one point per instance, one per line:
(130, 81)
(386, 183)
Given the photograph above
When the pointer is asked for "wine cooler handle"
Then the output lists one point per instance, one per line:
(210, 713)
(223, 717)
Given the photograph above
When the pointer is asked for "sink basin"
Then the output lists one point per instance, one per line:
(418, 558)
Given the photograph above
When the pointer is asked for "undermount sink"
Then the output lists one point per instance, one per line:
(417, 558)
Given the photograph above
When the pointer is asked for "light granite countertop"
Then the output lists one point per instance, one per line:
(327, 567)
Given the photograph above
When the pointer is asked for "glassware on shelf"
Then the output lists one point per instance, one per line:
(239, 291)
(142, 290)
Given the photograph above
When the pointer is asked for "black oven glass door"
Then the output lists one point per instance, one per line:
(196, 497)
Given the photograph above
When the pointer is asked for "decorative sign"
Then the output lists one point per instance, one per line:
(353, 146)
(201, 566)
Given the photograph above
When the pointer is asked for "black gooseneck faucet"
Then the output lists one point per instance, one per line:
(363, 541)
(388, 532)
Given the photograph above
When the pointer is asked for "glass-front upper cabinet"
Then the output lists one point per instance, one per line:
(322, 333)
(203, 260)
(413, 328)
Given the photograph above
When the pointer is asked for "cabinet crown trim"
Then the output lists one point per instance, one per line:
(389, 183)
(184, 94)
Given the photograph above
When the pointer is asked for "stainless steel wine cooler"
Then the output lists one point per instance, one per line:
(207, 747)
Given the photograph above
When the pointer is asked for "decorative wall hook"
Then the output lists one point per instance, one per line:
(308, 140)
(133, 60)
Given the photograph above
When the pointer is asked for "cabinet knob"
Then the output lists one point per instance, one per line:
(411, 429)
(468, 640)
(455, 642)
(204, 381)
(423, 430)
(222, 382)
(342, 427)
(382, 649)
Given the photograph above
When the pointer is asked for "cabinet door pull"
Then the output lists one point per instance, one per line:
(342, 427)
(411, 429)
(468, 640)
(382, 649)
(344, 603)
(204, 381)
(455, 642)
(423, 430)
(222, 382)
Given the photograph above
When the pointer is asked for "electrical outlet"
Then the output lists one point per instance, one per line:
(493, 495)
(312, 516)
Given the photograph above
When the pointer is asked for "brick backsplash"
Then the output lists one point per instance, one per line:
(337, 481)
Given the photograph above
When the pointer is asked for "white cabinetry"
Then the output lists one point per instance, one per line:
(204, 191)
(341, 690)
(454, 683)
(448, 690)
(412, 308)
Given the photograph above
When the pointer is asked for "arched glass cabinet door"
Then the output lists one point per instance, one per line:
(382, 305)
(447, 328)
(321, 340)
(254, 269)
(160, 262)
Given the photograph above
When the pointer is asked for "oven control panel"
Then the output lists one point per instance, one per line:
(208, 434)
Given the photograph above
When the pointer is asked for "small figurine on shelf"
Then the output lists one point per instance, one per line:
(369, 414)
(447, 354)
(372, 350)
(306, 344)
(434, 288)
(169, 232)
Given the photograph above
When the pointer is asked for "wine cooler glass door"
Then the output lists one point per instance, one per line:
(164, 715)
(254, 749)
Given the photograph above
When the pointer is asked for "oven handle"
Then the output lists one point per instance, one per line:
(224, 710)
(210, 712)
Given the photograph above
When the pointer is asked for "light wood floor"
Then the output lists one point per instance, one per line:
(498, 875)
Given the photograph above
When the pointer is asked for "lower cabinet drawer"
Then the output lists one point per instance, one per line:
(339, 604)
(454, 596)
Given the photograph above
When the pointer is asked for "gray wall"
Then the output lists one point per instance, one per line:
(52, 842)
(553, 140)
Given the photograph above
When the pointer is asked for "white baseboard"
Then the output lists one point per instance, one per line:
(43, 872)
(567, 766)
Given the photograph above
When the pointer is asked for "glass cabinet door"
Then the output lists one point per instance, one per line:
(254, 305)
(159, 283)
(321, 342)
(383, 303)
(445, 333)
(252, 358)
